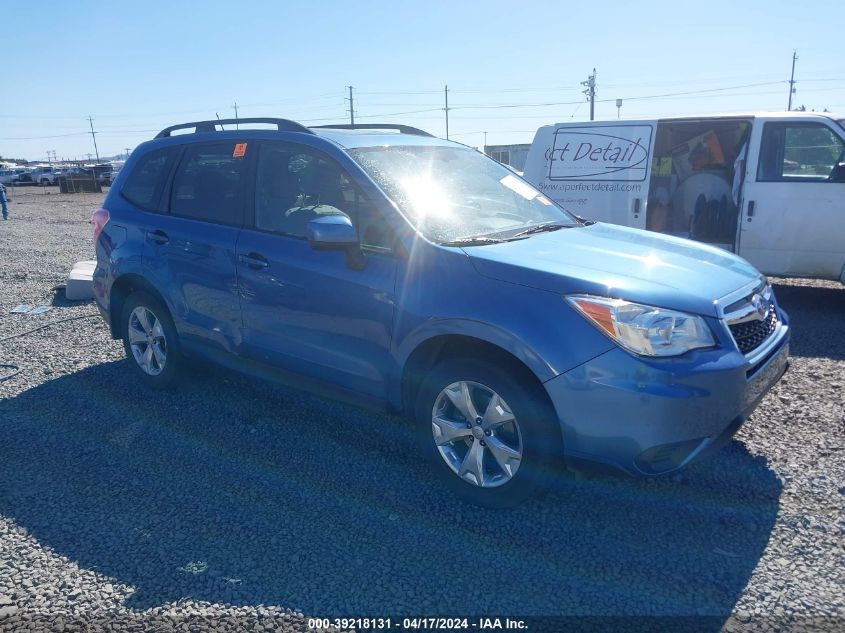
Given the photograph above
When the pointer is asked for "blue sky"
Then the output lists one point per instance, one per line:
(137, 67)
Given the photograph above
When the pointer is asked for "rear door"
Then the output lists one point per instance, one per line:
(793, 208)
(190, 252)
(598, 169)
(316, 312)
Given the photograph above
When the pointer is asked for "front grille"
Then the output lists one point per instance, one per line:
(750, 334)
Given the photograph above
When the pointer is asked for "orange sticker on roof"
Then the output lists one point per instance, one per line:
(240, 150)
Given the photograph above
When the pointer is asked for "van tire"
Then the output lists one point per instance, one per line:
(155, 316)
(537, 438)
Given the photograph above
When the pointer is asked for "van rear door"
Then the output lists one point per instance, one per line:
(792, 219)
(599, 169)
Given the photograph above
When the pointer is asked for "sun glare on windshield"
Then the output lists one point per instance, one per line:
(427, 197)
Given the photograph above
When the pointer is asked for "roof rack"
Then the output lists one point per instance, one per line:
(404, 129)
(283, 125)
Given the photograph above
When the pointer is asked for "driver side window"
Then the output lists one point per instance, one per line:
(799, 152)
(295, 185)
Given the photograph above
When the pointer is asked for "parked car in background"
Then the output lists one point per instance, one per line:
(384, 265)
(22, 177)
(7, 176)
(44, 176)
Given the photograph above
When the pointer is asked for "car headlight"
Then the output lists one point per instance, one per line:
(644, 329)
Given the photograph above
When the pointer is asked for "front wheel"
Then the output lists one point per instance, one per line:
(490, 434)
(150, 341)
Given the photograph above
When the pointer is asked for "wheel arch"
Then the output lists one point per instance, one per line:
(124, 287)
(441, 347)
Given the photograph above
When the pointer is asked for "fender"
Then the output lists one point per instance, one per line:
(479, 330)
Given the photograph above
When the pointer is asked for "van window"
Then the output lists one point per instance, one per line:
(145, 183)
(798, 152)
(295, 184)
(208, 184)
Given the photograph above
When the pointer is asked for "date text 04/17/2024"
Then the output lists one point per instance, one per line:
(417, 623)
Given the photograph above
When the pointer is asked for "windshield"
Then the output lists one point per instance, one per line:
(455, 193)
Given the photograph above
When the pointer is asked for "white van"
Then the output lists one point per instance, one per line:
(768, 186)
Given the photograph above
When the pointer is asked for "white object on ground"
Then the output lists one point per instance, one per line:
(80, 281)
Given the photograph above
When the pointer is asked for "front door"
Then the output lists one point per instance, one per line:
(319, 313)
(793, 208)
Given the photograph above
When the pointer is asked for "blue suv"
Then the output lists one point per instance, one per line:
(384, 265)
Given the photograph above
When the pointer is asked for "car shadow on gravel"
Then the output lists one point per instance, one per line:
(233, 492)
(816, 315)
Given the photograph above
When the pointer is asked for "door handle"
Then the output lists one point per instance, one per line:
(256, 261)
(157, 237)
(750, 212)
(636, 207)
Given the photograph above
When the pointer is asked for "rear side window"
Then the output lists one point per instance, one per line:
(209, 183)
(143, 186)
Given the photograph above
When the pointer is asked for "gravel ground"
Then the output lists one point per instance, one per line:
(233, 504)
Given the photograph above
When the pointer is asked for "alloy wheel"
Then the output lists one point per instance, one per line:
(476, 434)
(147, 341)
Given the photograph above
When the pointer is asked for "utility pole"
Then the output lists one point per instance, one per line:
(485, 142)
(619, 108)
(94, 136)
(590, 91)
(792, 81)
(351, 101)
(446, 94)
(128, 149)
(235, 106)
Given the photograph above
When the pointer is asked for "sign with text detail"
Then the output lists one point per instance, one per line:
(606, 152)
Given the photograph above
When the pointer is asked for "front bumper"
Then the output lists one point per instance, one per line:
(652, 417)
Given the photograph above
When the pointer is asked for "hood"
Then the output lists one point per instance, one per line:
(619, 262)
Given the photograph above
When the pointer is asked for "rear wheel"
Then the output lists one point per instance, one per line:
(150, 341)
(490, 435)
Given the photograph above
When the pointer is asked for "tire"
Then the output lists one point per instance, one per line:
(160, 367)
(533, 434)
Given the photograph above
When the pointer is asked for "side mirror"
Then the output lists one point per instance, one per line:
(336, 233)
(332, 232)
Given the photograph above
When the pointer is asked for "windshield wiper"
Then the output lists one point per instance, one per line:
(472, 241)
(541, 228)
